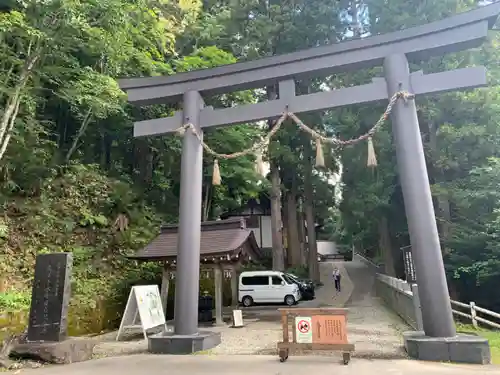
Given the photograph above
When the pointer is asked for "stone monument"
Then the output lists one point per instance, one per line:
(48, 320)
(47, 337)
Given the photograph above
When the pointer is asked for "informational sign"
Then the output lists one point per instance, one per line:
(329, 329)
(303, 330)
(237, 319)
(143, 311)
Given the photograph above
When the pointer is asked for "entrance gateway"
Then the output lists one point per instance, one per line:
(392, 51)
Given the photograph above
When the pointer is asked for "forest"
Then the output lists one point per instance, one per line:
(73, 178)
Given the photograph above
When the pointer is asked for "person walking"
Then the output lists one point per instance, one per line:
(336, 279)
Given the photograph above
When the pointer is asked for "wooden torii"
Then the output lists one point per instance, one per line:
(392, 51)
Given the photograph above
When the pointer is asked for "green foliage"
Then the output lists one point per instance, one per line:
(73, 178)
(14, 301)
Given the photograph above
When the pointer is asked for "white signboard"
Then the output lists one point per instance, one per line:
(303, 330)
(143, 311)
(237, 319)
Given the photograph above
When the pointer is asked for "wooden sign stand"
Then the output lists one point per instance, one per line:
(315, 329)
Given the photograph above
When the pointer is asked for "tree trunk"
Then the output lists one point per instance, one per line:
(275, 196)
(285, 235)
(302, 232)
(81, 131)
(444, 225)
(384, 243)
(309, 210)
(295, 258)
(11, 109)
(6, 140)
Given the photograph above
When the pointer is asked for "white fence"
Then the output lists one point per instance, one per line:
(472, 313)
(399, 296)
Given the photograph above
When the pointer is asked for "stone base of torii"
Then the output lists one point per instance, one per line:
(439, 341)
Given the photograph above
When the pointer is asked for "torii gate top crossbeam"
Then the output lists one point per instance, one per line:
(463, 31)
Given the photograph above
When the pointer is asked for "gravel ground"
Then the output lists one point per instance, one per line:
(261, 334)
(374, 330)
(371, 327)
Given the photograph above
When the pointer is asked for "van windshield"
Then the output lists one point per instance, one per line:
(287, 279)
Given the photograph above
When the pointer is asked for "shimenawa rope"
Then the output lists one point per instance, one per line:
(258, 148)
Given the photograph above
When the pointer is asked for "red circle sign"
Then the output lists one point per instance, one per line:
(303, 326)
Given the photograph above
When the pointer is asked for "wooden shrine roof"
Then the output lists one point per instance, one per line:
(224, 240)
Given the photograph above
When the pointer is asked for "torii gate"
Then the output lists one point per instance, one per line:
(463, 31)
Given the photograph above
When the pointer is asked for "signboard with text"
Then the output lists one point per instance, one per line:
(329, 329)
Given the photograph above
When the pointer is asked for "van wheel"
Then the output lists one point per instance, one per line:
(290, 300)
(247, 301)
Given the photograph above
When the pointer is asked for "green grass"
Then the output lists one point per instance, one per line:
(492, 336)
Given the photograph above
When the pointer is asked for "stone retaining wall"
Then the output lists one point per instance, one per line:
(398, 296)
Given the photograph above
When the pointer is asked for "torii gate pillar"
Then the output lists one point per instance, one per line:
(188, 254)
(439, 340)
(426, 250)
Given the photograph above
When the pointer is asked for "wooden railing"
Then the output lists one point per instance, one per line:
(472, 313)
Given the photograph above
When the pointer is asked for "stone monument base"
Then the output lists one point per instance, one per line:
(170, 343)
(460, 349)
(73, 349)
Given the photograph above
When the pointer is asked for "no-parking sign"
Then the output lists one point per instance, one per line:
(303, 329)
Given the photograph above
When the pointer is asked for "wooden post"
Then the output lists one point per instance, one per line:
(234, 286)
(473, 314)
(218, 274)
(165, 282)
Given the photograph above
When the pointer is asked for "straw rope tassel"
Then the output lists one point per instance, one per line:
(320, 158)
(216, 180)
(259, 164)
(372, 158)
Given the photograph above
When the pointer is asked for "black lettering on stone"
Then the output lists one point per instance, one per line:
(50, 297)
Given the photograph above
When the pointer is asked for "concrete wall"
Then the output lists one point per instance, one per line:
(267, 239)
(263, 233)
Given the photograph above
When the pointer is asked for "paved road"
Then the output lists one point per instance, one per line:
(255, 365)
(375, 331)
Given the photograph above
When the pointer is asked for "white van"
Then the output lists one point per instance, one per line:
(267, 287)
